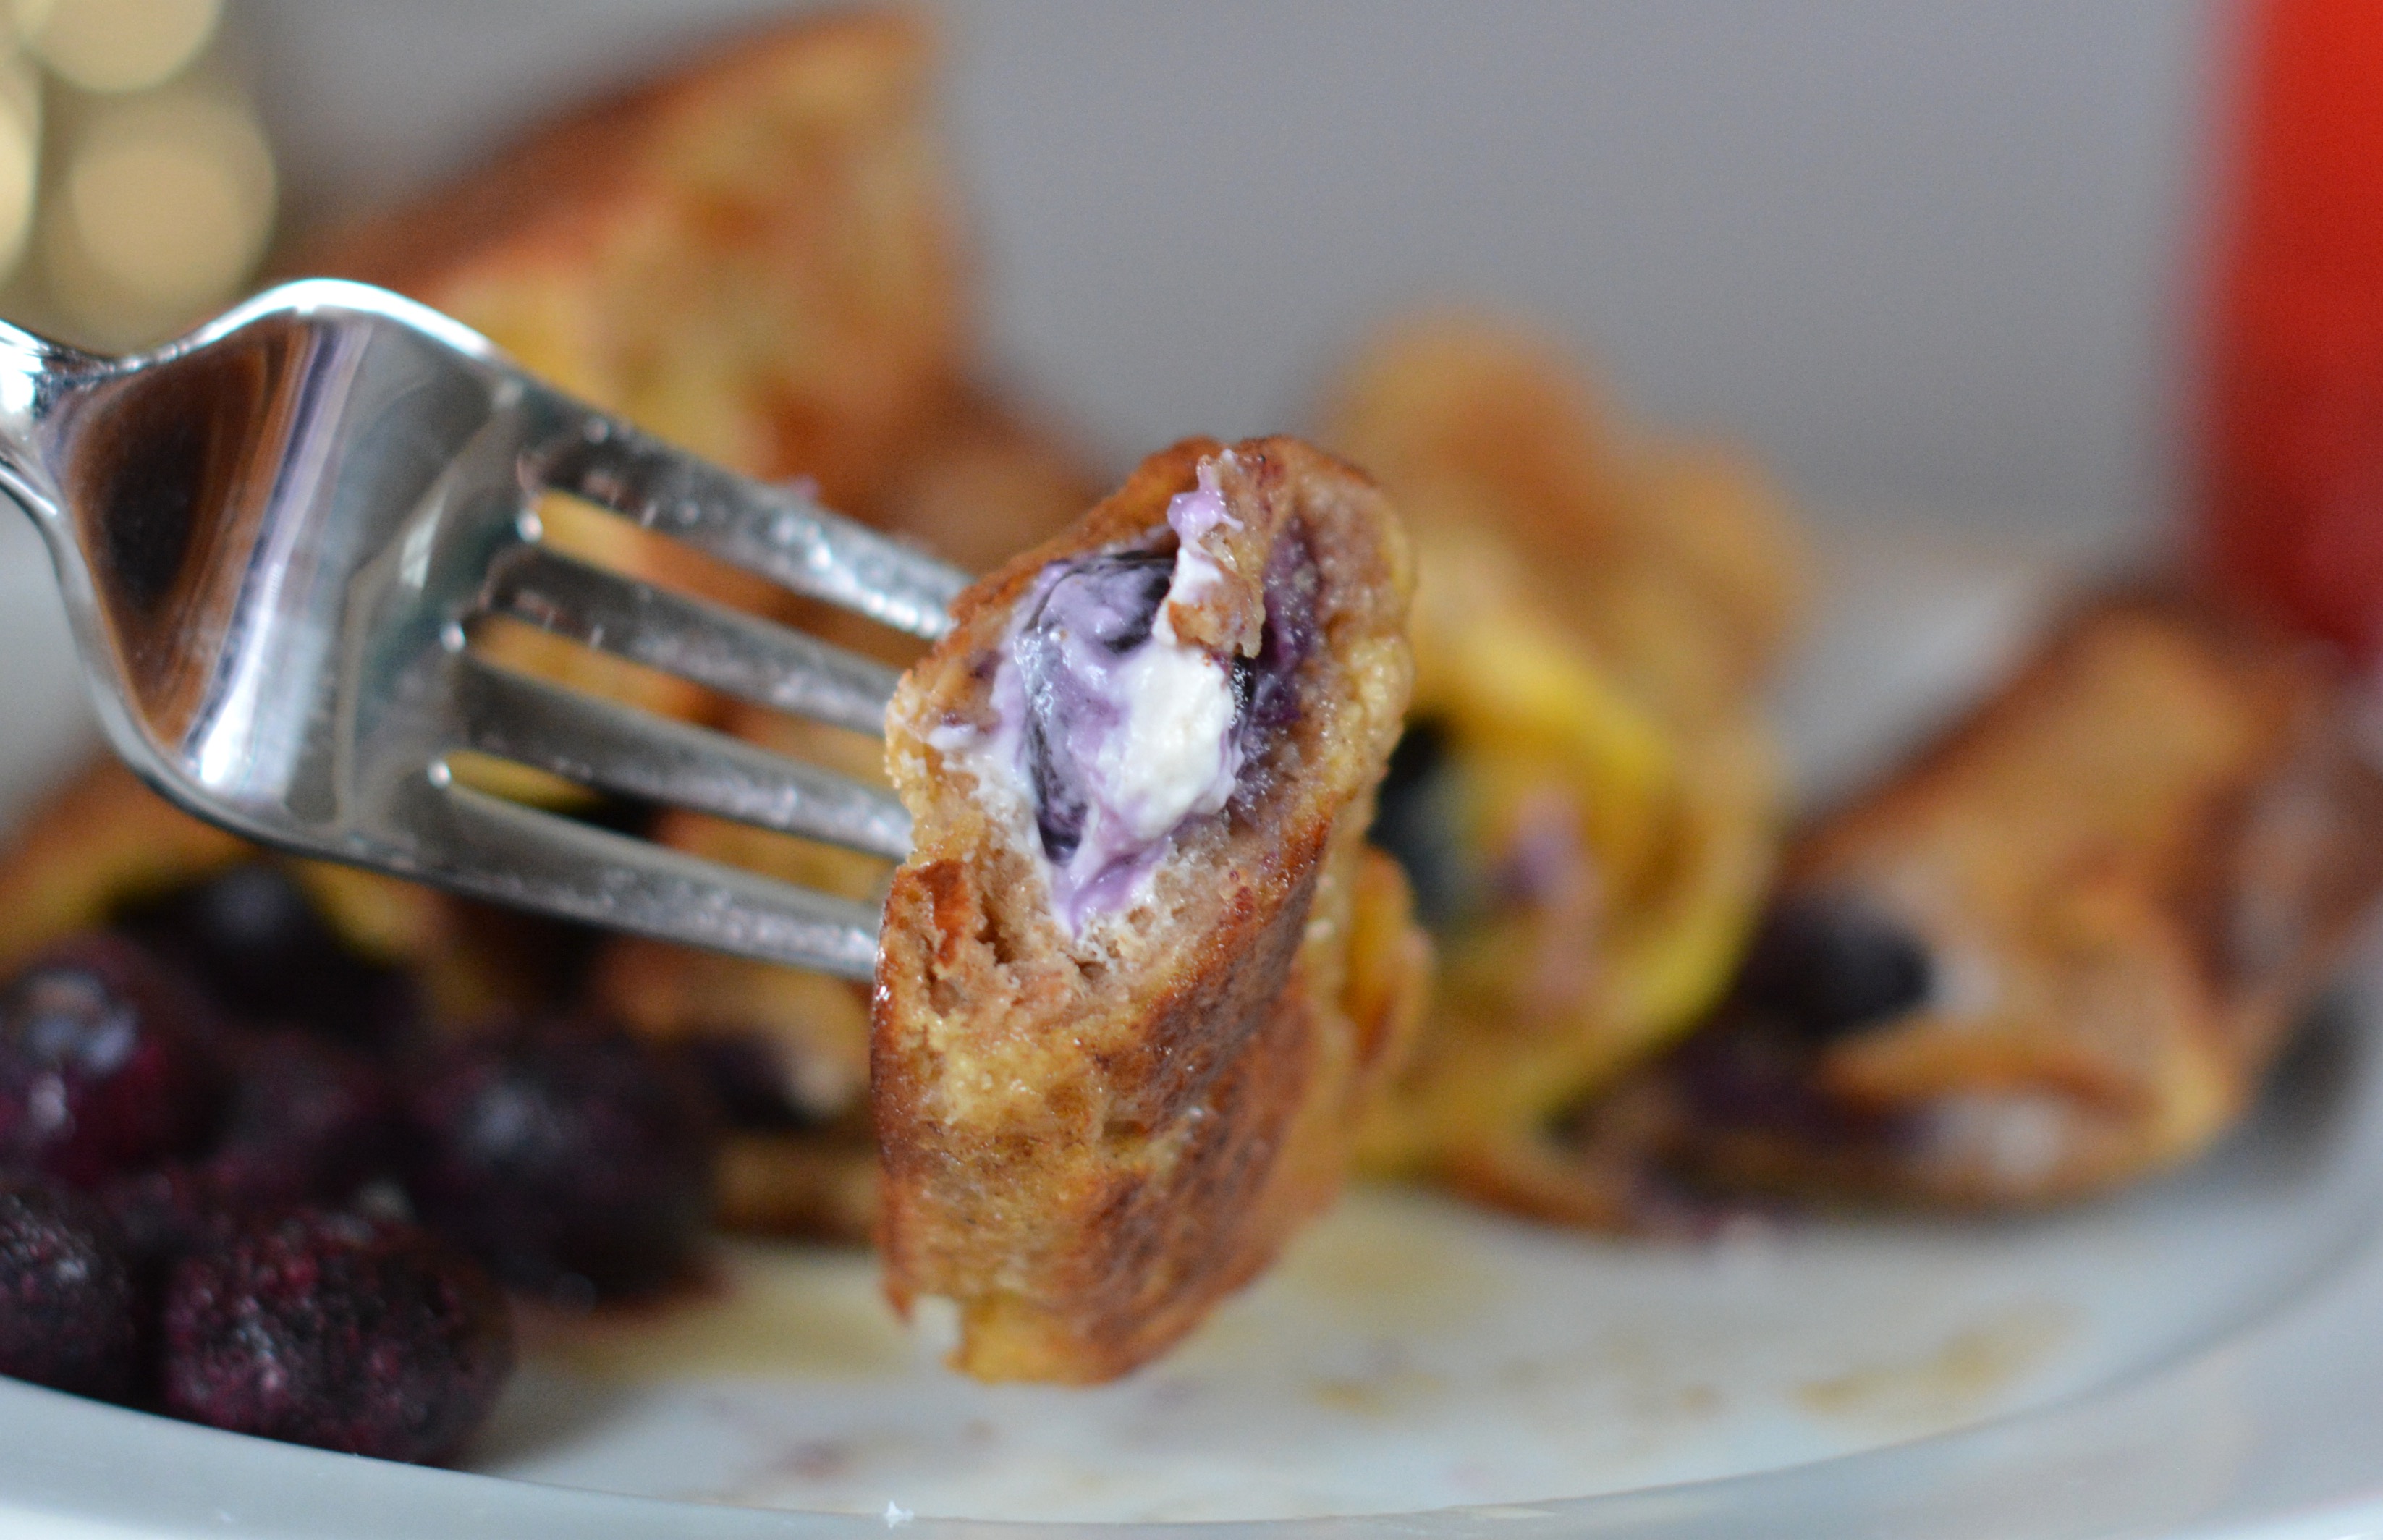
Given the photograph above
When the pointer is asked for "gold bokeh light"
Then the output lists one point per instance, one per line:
(21, 156)
(116, 45)
(169, 198)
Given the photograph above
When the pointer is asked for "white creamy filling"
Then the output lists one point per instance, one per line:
(1150, 738)
(1172, 755)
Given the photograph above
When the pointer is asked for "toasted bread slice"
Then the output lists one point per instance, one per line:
(1113, 1060)
(2058, 950)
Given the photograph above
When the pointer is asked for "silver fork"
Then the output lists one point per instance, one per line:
(274, 534)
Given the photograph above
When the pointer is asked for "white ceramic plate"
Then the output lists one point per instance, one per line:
(2202, 1356)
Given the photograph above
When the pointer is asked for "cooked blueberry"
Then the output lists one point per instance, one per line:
(1109, 600)
(747, 1079)
(164, 1211)
(104, 1062)
(1416, 820)
(1268, 684)
(1828, 966)
(254, 938)
(571, 1158)
(1060, 806)
(366, 1336)
(307, 1121)
(71, 1306)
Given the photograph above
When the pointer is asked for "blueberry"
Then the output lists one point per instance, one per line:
(1267, 686)
(307, 1121)
(747, 1077)
(366, 1336)
(164, 1211)
(1415, 822)
(1091, 609)
(1827, 965)
(104, 1063)
(71, 1304)
(252, 936)
(569, 1157)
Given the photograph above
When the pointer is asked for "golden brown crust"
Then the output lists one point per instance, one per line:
(2128, 870)
(1088, 1143)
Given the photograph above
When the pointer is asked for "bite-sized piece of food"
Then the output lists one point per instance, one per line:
(1113, 1060)
(362, 1335)
(979, 483)
(756, 256)
(2058, 950)
(108, 1062)
(572, 1159)
(105, 849)
(1585, 796)
(71, 1309)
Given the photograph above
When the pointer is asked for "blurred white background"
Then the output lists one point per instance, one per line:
(1926, 257)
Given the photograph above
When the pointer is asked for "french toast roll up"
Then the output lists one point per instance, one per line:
(2059, 948)
(1586, 798)
(1141, 974)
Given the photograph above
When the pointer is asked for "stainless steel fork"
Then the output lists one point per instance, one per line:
(274, 534)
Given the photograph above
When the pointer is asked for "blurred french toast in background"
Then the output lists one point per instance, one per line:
(1585, 799)
(756, 257)
(2053, 953)
(104, 850)
(2078, 928)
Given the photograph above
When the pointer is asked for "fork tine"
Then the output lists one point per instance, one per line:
(544, 861)
(779, 531)
(604, 744)
(726, 649)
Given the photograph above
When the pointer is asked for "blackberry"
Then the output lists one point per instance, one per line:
(307, 1121)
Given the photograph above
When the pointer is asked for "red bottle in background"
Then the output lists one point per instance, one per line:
(2294, 490)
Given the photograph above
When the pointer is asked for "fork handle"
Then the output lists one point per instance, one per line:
(34, 372)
